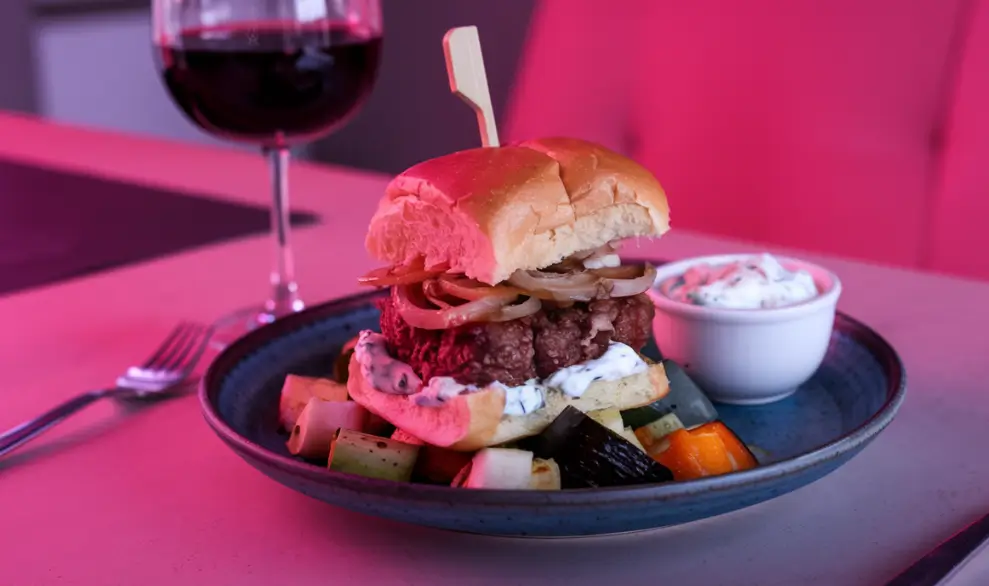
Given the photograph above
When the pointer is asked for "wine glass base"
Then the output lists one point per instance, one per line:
(238, 324)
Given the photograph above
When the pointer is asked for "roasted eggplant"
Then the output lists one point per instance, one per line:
(591, 455)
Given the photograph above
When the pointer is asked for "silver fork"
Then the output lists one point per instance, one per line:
(170, 364)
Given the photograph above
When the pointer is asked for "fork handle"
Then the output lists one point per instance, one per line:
(18, 436)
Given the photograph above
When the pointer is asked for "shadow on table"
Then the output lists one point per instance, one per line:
(627, 557)
(57, 225)
(41, 447)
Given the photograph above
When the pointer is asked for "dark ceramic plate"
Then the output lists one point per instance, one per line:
(853, 396)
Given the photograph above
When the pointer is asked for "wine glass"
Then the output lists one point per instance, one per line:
(272, 73)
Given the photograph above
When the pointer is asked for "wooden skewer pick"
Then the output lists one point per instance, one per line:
(468, 80)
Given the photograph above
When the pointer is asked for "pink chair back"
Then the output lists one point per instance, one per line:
(855, 127)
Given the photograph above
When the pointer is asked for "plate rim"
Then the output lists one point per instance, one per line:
(212, 381)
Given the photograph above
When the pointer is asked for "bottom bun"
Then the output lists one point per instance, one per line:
(630, 392)
(476, 420)
(464, 423)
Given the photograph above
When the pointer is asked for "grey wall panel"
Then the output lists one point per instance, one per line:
(16, 58)
(412, 115)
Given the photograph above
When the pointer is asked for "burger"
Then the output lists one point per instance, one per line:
(507, 300)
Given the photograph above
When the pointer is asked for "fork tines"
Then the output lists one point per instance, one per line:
(182, 346)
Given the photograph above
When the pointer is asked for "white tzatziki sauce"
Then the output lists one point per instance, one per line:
(391, 376)
(760, 282)
(381, 370)
(617, 362)
(524, 398)
(519, 400)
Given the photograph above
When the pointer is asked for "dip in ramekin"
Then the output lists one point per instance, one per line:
(749, 328)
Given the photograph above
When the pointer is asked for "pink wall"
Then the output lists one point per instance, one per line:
(819, 125)
(959, 238)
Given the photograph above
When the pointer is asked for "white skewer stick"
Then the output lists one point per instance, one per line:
(468, 80)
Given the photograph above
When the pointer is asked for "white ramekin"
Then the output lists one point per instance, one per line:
(746, 356)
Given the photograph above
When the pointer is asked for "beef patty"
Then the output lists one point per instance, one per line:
(515, 351)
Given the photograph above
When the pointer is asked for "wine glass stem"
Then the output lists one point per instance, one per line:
(284, 291)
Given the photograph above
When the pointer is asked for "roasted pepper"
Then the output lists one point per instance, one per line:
(708, 450)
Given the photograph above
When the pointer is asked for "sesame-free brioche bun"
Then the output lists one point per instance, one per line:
(488, 212)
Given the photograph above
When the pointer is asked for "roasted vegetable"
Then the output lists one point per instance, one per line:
(439, 465)
(318, 424)
(591, 455)
(545, 475)
(499, 468)
(435, 465)
(341, 366)
(628, 434)
(610, 418)
(708, 450)
(685, 399)
(461, 478)
(366, 455)
(761, 456)
(653, 434)
(296, 392)
(377, 425)
(400, 435)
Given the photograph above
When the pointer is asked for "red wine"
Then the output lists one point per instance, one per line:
(269, 83)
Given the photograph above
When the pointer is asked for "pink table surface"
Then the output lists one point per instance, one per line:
(152, 497)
